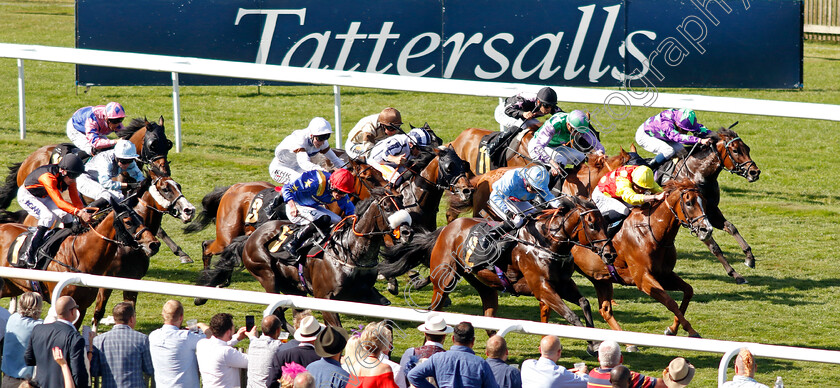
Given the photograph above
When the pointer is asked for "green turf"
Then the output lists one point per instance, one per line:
(788, 216)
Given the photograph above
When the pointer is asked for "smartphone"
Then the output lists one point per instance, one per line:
(249, 322)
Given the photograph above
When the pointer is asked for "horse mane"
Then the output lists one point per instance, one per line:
(674, 185)
(727, 132)
(133, 126)
(375, 194)
(567, 203)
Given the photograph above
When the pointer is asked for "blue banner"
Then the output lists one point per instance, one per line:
(663, 43)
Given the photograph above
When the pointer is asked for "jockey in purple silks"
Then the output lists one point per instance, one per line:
(666, 133)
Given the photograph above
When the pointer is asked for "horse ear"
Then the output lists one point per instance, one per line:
(632, 147)
(160, 120)
(426, 126)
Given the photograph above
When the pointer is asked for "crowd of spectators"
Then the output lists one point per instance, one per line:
(55, 355)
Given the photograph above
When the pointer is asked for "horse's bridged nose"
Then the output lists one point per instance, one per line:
(188, 214)
(153, 248)
(753, 175)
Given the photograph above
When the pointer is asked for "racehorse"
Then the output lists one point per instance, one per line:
(229, 207)
(646, 253)
(703, 165)
(446, 172)
(162, 195)
(90, 251)
(468, 142)
(149, 139)
(345, 270)
(538, 263)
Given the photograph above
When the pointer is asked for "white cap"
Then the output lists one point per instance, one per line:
(319, 126)
(124, 149)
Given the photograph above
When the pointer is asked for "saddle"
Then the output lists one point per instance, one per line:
(480, 250)
(63, 149)
(486, 162)
(261, 210)
(276, 243)
(52, 241)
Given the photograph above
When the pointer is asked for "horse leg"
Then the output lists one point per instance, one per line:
(649, 285)
(715, 249)
(489, 299)
(206, 255)
(732, 230)
(547, 294)
(676, 283)
(185, 258)
(545, 312)
(570, 292)
(102, 297)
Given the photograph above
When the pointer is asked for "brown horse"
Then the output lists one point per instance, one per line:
(703, 165)
(446, 172)
(229, 206)
(467, 143)
(646, 253)
(345, 270)
(538, 263)
(90, 252)
(162, 196)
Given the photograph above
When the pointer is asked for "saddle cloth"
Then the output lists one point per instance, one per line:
(479, 251)
(486, 162)
(282, 237)
(60, 150)
(258, 211)
(52, 241)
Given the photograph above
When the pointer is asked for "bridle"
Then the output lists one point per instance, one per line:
(167, 205)
(353, 220)
(691, 225)
(590, 243)
(740, 169)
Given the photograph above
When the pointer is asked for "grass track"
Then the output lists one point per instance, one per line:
(789, 216)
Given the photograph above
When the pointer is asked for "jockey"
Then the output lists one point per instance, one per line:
(666, 133)
(98, 183)
(40, 196)
(88, 127)
(305, 200)
(372, 129)
(552, 144)
(391, 155)
(622, 188)
(521, 112)
(291, 157)
(511, 195)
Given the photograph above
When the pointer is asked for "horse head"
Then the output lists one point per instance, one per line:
(734, 154)
(156, 147)
(385, 211)
(452, 174)
(130, 230)
(578, 221)
(168, 197)
(686, 203)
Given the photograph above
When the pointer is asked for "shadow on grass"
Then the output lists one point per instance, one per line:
(797, 198)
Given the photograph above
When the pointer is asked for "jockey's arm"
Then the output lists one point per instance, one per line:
(346, 206)
(304, 162)
(100, 164)
(95, 138)
(334, 159)
(50, 183)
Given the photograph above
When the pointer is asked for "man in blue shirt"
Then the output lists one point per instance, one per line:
(506, 375)
(173, 349)
(121, 356)
(327, 371)
(459, 367)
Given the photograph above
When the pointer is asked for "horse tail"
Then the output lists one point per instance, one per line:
(219, 274)
(9, 189)
(7, 217)
(398, 259)
(209, 207)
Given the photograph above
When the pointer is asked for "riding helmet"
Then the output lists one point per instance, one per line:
(537, 178)
(547, 96)
(114, 111)
(420, 137)
(342, 180)
(578, 121)
(73, 165)
(125, 149)
(643, 176)
(687, 118)
(319, 126)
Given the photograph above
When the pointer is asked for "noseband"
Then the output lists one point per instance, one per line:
(167, 205)
(740, 169)
(691, 224)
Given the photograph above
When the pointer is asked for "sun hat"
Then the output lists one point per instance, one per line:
(331, 341)
(435, 325)
(308, 330)
(678, 373)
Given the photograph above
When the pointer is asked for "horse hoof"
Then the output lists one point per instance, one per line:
(199, 301)
(447, 302)
(186, 260)
(669, 332)
(750, 263)
(741, 281)
(695, 335)
(632, 349)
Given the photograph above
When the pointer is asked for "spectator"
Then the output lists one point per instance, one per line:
(303, 354)
(609, 357)
(173, 349)
(744, 372)
(121, 356)
(218, 361)
(260, 352)
(370, 369)
(290, 371)
(18, 331)
(64, 335)
(678, 373)
(297, 317)
(620, 377)
(459, 367)
(497, 354)
(435, 331)
(4, 314)
(327, 371)
(546, 373)
(58, 356)
(304, 380)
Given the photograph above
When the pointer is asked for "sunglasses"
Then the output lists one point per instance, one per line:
(322, 137)
(392, 127)
(125, 161)
(115, 121)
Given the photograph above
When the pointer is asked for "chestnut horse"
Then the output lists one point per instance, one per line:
(228, 207)
(538, 265)
(345, 270)
(91, 251)
(162, 196)
(646, 253)
(467, 143)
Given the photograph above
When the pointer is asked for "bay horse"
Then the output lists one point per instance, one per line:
(703, 166)
(229, 206)
(538, 264)
(446, 172)
(646, 253)
(161, 196)
(468, 141)
(345, 270)
(89, 251)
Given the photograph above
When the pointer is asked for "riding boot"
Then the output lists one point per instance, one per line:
(273, 210)
(301, 237)
(657, 161)
(37, 241)
(613, 226)
(100, 203)
(506, 134)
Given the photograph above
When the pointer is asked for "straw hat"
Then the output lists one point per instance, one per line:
(435, 325)
(308, 330)
(678, 373)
